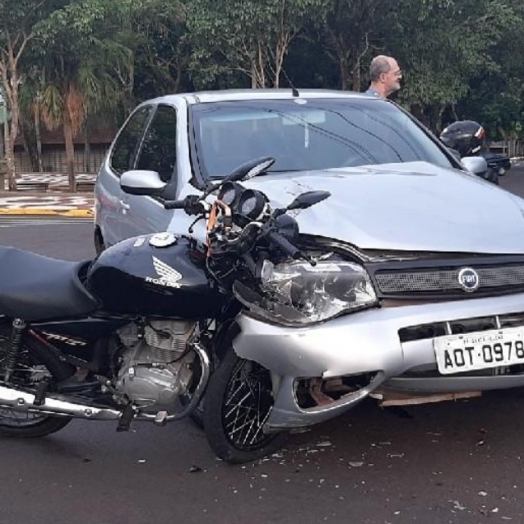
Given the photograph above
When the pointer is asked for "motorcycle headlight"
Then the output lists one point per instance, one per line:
(302, 294)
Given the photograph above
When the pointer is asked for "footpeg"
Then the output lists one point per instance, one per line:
(161, 418)
(41, 390)
(124, 422)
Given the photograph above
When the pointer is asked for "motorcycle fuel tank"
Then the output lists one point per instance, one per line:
(155, 275)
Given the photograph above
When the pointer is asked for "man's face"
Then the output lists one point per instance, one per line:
(392, 78)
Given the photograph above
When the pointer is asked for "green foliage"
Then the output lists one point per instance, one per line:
(443, 43)
(251, 37)
(460, 58)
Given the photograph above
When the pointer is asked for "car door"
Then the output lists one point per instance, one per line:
(111, 208)
(158, 153)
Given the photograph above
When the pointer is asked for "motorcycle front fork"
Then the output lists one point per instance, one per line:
(15, 344)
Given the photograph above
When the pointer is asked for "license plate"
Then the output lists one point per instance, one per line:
(472, 351)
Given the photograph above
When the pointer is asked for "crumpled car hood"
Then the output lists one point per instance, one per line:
(413, 206)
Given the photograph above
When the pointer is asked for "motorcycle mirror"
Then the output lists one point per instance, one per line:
(308, 199)
(250, 169)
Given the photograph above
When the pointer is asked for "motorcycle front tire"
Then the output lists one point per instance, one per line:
(238, 401)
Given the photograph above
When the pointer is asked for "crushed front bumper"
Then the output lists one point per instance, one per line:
(364, 343)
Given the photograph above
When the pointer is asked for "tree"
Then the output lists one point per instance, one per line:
(157, 36)
(17, 30)
(247, 36)
(441, 45)
(83, 67)
(350, 30)
(497, 101)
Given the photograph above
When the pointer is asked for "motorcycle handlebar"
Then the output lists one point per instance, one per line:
(175, 204)
(191, 204)
(285, 245)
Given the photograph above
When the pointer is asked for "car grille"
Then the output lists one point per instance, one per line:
(439, 281)
(460, 326)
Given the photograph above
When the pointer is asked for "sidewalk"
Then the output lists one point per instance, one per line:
(55, 201)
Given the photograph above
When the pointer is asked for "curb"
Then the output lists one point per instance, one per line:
(35, 211)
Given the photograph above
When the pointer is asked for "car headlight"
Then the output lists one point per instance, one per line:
(301, 294)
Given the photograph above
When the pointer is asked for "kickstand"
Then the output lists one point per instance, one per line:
(124, 422)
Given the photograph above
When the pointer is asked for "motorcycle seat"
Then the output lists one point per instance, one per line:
(36, 288)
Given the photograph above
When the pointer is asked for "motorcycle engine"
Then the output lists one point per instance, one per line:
(156, 365)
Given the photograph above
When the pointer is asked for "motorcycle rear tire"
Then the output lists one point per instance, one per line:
(41, 425)
(231, 436)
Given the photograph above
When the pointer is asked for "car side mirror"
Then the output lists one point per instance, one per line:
(142, 182)
(475, 164)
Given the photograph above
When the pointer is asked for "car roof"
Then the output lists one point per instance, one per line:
(229, 95)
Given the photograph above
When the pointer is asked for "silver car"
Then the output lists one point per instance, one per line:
(442, 249)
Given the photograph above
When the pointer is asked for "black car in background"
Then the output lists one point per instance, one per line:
(498, 162)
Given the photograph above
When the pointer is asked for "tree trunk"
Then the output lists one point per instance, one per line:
(70, 150)
(356, 76)
(343, 67)
(2, 141)
(10, 162)
(11, 135)
(36, 114)
(26, 134)
(87, 149)
(10, 85)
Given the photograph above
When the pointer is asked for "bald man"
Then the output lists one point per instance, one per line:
(385, 76)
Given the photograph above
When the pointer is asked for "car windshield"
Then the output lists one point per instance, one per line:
(307, 134)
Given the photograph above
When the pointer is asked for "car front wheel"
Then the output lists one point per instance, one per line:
(99, 242)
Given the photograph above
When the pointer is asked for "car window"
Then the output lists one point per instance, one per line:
(309, 134)
(128, 140)
(158, 152)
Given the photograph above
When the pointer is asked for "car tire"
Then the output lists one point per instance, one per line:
(99, 242)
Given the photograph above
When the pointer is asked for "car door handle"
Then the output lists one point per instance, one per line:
(124, 206)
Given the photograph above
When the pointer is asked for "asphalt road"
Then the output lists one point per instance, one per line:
(456, 462)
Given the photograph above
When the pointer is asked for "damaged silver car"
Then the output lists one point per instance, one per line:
(431, 257)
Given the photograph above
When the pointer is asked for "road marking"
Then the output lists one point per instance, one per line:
(32, 221)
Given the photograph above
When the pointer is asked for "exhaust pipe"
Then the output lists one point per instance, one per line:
(21, 401)
(18, 400)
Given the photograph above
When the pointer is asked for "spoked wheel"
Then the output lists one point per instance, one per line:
(238, 403)
(33, 367)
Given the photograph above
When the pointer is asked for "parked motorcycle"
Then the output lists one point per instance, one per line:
(467, 138)
(143, 330)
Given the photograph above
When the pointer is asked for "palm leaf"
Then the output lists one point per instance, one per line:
(52, 106)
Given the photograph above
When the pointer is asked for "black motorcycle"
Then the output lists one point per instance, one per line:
(140, 332)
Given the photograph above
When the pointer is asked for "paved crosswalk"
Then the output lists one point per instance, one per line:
(55, 180)
(47, 204)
